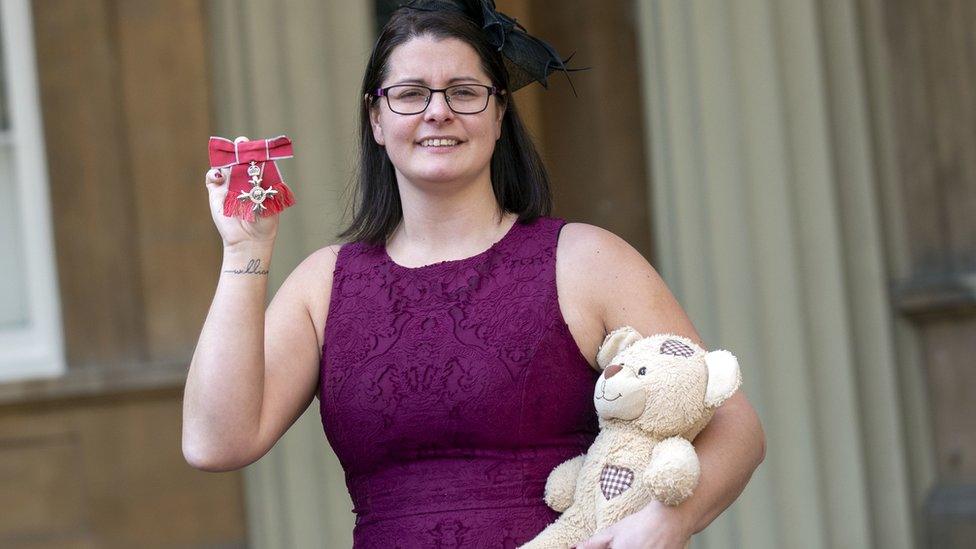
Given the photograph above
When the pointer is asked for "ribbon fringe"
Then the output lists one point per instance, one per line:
(274, 204)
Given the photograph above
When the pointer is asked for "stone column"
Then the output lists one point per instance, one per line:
(767, 224)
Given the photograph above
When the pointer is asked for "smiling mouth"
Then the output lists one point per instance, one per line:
(439, 143)
(610, 399)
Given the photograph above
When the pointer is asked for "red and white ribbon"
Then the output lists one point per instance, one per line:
(255, 185)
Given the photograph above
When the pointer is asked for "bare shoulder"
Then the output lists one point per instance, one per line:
(589, 257)
(320, 261)
(314, 277)
(618, 284)
(588, 245)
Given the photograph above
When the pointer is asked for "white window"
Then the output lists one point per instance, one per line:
(30, 318)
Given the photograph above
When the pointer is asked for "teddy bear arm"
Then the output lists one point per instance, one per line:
(673, 471)
(561, 484)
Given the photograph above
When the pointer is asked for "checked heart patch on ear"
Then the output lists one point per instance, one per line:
(676, 348)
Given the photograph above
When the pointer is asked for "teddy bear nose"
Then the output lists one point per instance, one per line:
(612, 370)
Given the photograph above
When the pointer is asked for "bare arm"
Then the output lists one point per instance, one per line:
(630, 292)
(253, 372)
(729, 449)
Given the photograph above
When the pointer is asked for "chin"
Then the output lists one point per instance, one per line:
(440, 174)
(436, 177)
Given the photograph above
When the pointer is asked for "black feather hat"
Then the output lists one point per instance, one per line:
(527, 58)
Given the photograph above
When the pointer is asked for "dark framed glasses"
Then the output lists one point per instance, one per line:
(461, 98)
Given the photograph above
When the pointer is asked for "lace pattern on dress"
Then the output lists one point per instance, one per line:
(450, 391)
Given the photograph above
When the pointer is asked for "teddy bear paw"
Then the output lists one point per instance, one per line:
(561, 484)
(673, 472)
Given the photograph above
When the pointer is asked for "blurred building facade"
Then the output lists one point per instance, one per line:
(801, 172)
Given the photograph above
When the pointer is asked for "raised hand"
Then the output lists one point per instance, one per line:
(234, 231)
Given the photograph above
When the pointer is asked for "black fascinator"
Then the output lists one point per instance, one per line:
(527, 58)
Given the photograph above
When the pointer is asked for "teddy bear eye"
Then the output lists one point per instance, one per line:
(642, 371)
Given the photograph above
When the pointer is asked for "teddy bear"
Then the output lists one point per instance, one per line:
(654, 396)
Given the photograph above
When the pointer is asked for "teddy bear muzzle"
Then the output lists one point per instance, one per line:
(619, 397)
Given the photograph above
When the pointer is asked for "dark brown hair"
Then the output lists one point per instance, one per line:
(518, 177)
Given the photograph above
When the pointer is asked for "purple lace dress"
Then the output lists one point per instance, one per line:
(450, 391)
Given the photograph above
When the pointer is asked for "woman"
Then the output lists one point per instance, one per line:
(457, 348)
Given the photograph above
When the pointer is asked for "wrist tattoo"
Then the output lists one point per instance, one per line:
(253, 267)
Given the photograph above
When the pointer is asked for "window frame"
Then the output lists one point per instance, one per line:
(35, 349)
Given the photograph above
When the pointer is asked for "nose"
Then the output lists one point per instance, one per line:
(612, 370)
(438, 109)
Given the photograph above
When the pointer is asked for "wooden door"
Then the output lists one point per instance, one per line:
(928, 80)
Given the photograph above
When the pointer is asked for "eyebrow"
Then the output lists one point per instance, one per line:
(454, 80)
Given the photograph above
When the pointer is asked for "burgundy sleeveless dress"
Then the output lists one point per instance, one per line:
(450, 391)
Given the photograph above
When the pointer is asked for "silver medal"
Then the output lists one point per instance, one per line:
(257, 194)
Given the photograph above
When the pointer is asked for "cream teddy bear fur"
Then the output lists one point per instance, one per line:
(655, 395)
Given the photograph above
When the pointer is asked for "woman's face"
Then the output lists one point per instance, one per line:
(437, 63)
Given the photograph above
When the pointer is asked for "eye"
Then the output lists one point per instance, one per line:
(409, 93)
(466, 93)
(463, 92)
(642, 371)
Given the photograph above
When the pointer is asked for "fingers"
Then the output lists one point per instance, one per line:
(213, 180)
(216, 177)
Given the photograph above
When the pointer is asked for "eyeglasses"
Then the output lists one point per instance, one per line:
(414, 98)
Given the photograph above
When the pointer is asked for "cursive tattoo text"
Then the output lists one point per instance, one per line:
(253, 267)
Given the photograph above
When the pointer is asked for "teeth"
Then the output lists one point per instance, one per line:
(438, 142)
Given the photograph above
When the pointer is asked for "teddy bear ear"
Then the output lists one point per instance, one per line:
(724, 377)
(616, 341)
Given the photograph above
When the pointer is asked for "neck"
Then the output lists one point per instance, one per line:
(445, 221)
